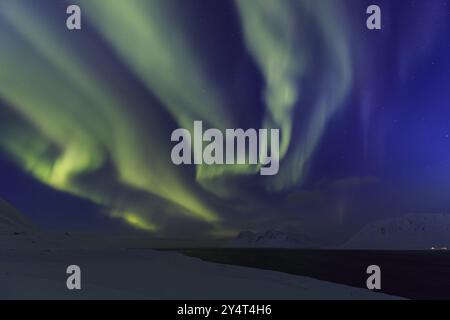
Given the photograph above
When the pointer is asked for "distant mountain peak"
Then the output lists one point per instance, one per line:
(409, 232)
(271, 238)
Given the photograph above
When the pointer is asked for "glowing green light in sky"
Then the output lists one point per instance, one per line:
(82, 122)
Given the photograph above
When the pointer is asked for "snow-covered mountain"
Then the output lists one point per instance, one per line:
(409, 232)
(270, 239)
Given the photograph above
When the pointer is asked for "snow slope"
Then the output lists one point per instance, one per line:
(16, 232)
(270, 239)
(409, 232)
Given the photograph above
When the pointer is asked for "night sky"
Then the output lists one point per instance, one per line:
(86, 116)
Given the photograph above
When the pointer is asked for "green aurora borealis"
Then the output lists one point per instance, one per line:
(90, 112)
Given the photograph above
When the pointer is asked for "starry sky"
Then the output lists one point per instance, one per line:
(86, 116)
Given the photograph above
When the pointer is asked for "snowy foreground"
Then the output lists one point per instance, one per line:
(33, 265)
(139, 274)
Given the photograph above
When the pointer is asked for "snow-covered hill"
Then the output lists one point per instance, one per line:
(409, 232)
(270, 239)
(16, 232)
(10, 218)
